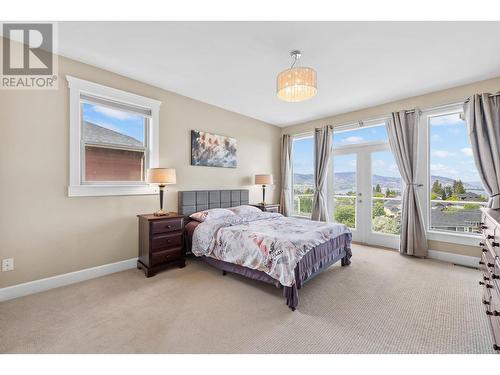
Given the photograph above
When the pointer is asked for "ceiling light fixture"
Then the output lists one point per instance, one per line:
(297, 83)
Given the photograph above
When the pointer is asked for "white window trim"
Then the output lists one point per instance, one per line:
(77, 87)
(424, 177)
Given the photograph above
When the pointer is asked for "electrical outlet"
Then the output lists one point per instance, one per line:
(7, 264)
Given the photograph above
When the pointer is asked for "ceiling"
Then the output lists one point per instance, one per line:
(233, 65)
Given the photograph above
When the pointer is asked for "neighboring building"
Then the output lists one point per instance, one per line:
(469, 196)
(462, 220)
(110, 156)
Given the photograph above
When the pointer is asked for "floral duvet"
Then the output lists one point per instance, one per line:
(264, 241)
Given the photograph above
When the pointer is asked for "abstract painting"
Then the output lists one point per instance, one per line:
(211, 150)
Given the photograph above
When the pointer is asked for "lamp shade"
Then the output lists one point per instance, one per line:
(296, 84)
(263, 179)
(162, 176)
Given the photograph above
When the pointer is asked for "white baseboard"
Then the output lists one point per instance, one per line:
(41, 285)
(463, 260)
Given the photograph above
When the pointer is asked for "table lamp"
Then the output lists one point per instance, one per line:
(263, 179)
(162, 177)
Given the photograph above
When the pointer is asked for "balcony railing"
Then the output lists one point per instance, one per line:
(302, 204)
(448, 216)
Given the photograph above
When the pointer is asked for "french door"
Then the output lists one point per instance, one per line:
(366, 190)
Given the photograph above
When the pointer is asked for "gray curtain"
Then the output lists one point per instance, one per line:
(403, 138)
(482, 113)
(322, 151)
(286, 175)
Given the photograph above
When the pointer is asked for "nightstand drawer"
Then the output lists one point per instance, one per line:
(166, 241)
(274, 209)
(160, 257)
(165, 226)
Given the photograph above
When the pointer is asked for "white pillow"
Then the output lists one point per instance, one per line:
(213, 213)
(245, 209)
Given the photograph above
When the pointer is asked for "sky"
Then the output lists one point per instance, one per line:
(451, 153)
(120, 121)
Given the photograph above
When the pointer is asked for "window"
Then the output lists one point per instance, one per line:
(303, 175)
(345, 189)
(113, 140)
(386, 193)
(455, 191)
(366, 184)
(358, 136)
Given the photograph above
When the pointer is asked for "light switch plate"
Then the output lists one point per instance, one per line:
(7, 264)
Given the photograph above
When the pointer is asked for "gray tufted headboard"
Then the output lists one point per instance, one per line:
(199, 200)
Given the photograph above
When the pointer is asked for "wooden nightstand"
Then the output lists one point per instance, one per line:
(161, 242)
(268, 207)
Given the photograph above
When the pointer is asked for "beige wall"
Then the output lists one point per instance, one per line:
(453, 95)
(48, 233)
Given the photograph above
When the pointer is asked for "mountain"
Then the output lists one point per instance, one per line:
(303, 179)
(445, 181)
(346, 180)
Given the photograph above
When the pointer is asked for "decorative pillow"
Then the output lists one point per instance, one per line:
(244, 209)
(213, 213)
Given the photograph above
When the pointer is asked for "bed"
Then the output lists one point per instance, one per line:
(317, 246)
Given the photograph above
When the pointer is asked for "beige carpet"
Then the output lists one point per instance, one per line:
(382, 303)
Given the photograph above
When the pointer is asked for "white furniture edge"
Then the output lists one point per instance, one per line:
(462, 260)
(78, 86)
(41, 285)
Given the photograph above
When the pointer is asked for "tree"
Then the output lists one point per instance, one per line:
(378, 189)
(448, 191)
(346, 215)
(378, 209)
(458, 187)
(385, 224)
(437, 188)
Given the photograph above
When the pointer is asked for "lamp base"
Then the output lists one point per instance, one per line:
(161, 212)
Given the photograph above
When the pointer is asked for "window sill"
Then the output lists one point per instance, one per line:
(114, 190)
(456, 238)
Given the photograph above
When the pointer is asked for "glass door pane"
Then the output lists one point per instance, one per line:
(345, 189)
(386, 194)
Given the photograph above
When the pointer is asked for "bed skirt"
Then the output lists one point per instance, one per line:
(316, 260)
